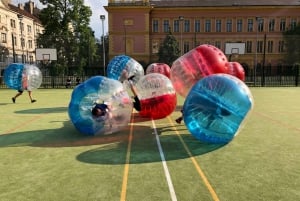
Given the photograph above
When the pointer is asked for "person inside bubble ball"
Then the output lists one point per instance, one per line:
(136, 102)
(20, 91)
(101, 111)
(212, 112)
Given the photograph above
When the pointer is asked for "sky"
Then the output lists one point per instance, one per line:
(97, 10)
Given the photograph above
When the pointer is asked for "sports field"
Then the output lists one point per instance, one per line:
(43, 157)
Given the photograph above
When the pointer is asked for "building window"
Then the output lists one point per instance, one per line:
(229, 25)
(250, 25)
(186, 46)
(30, 44)
(271, 25)
(239, 25)
(31, 59)
(21, 26)
(281, 46)
(249, 46)
(207, 26)
(187, 26)
(260, 25)
(28, 28)
(259, 46)
(218, 25)
(13, 23)
(270, 46)
(293, 23)
(282, 25)
(197, 25)
(15, 40)
(22, 42)
(176, 26)
(218, 44)
(155, 26)
(166, 26)
(3, 38)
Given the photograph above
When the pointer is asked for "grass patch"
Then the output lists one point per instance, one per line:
(43, 157)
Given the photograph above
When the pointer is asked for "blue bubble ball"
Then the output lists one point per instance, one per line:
(22, 76)
(216, 107)
(13, 76)
(121, 63)
(99, 89)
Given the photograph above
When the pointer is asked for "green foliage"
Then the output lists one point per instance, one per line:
(168, 50)
(66, 24)
(292, 45)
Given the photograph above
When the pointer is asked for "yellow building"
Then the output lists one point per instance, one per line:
(138, 27)
(19, 28)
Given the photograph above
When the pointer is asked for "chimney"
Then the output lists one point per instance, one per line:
(29, 6)
(21, 6)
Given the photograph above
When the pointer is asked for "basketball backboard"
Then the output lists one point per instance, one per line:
(234, 48)
(45, 54)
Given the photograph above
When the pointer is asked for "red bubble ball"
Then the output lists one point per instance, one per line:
(236, 69)
(161, 68)
(157, 96)
(196, 64)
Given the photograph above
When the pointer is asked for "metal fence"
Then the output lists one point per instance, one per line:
(268, 76)
(56, 82)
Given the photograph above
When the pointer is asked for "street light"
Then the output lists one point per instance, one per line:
(181, 18)
(20, 17)
(256, 47)
(102, 17)
(125, 39)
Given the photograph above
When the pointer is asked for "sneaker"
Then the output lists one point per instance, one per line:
(13, 100)
(178, 120)
(33, 101)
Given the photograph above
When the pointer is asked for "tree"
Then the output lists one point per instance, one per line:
(168, 50)
(292, 44)
(66, 24)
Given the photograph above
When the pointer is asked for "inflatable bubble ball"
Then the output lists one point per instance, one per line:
(199, 62)
(122, 66)
(22, 76)
(216, 107)
(236, 69)
(157, 96)
(161, 68)
(100, 90)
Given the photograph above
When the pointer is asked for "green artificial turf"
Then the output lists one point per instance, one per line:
(43, 157)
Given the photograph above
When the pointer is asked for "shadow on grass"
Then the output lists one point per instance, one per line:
(67, 136)
(113, 148)
(145, 150)
(43, 110)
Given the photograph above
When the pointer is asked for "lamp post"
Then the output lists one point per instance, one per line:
(181, 18)
(20, 17)
(256, 47)
(125, 38)
(102, 17)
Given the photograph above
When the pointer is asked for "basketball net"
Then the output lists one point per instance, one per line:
(45, 61)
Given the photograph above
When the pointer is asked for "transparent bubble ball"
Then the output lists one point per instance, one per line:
(99, 89)
(157, 96)
(22, 76)
(216, 108)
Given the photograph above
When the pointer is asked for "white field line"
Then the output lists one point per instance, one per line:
(166, 170)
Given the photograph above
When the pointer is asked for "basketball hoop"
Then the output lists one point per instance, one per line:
(45, 61)
(233, 56)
